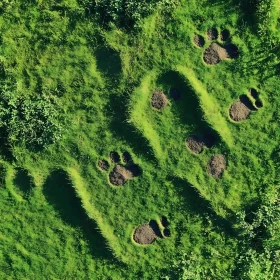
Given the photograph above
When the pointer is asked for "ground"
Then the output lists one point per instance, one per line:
(170, 131)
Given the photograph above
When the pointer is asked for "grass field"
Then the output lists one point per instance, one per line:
(75, 88)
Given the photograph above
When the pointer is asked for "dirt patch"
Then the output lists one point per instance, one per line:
(225, 34)
(115, 157)
(217, 165)
(195, 144)
(159, 100)
(239, 111)
(175, 94)
(212, 34)
(121, 174)
(216, 53)
(259, 104)
(126, 157)
(166, 232)
(103, 165)
(164, 221)
(144, 235)
(254, 93)
(199, 41)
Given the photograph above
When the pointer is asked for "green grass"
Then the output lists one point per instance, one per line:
(61, 218)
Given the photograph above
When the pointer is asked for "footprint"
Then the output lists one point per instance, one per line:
(121, 173)
(219, 50)
(146, 234)
(241, 109)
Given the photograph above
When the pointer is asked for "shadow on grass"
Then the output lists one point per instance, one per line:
(23, 182)
(60, 193)
(199, 205)
(186, 103)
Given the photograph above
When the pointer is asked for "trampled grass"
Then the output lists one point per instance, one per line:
(61, 217)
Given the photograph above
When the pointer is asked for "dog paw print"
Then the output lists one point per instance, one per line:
(123, 170)
(219, 49)
(241, 109)
(146, 234)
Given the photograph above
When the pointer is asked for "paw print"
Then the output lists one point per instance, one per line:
(147, 233)
(218, 50)
(121, 172)
(241, 109)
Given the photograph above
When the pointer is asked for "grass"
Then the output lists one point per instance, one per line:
(61, 219)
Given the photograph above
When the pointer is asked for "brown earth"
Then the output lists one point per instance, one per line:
(121, 174)
(159, 100)
(144, 235)
(239, 111)
(212, 34)
(216, 53)
(195, 144)
(115, 157)
(217, 165)
(199, 41)
(103, 164)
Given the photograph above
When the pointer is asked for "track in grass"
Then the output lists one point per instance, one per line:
(60, 193)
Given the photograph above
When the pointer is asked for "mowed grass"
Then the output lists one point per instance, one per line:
(61, 218)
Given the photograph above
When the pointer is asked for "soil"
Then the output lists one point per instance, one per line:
(121, 174)
(216, 53)
(225, 34)
(217, 165)
(126, 157)
(254, 93)
(164, 221)
(159, 100)
(239, 111)
(166, 232)
(195, 144)
(144, 235)
(175, 94)
(103, 164)
(199, 41)
(212, 34)
(115, 157)
(259, 104)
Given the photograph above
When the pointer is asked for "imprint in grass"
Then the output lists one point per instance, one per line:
(121, 173)
(217, 51)
(147, 233)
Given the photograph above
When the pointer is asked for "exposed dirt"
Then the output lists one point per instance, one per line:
(175, 94)
(103, 164)
(239, 111)
(259, 104)
(217, 165)
(164, 221)
(212, 34)
(126, 157)
(166, 232)
(225, 34)
(254, 93)
(195, 144)
(115, 157)
(121, 174)
(199, 41)
(159, 100)
(144, 235)
(216, 53)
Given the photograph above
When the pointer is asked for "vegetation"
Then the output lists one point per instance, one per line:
(76, 82)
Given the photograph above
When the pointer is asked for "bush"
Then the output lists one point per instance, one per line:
(34, 121)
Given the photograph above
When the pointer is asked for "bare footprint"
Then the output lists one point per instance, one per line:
(121, 173)
(217, 51)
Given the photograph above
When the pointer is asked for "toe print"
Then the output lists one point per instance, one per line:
(121, 173)
(241, 109)
(216, 51)
(146, 234)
